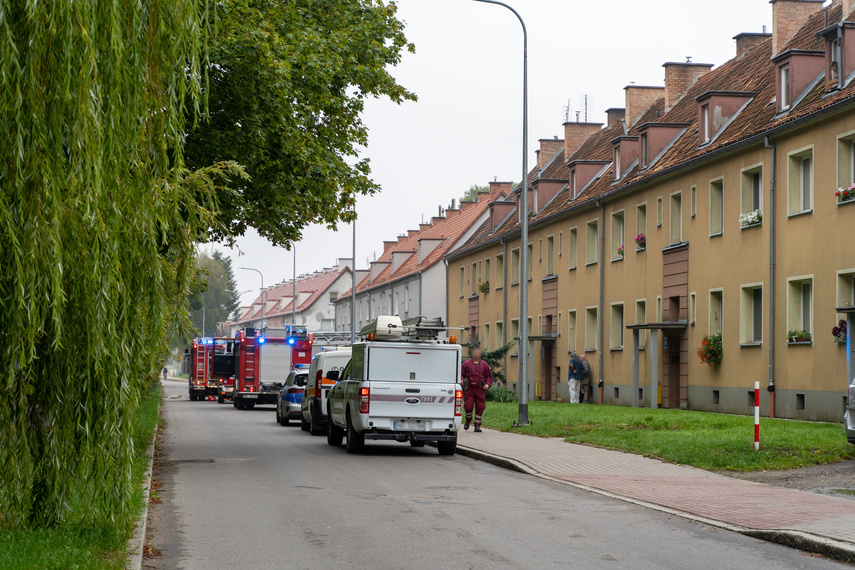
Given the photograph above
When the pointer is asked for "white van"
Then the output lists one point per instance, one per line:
(323, 374)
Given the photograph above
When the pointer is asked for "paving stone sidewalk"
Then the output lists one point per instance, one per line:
(813, 522)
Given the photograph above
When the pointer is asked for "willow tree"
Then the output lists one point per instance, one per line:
(98, 222)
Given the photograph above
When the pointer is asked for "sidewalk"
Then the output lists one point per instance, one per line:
(821, 524)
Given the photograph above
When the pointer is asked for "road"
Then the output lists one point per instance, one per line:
(240, 491)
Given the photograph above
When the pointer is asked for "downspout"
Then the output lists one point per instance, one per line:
(771, 388)
(602, 264)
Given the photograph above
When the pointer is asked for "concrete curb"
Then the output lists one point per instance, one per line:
(830, 548)
(137, 543)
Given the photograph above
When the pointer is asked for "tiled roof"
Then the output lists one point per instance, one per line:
(448, 231)
(754, 72)
(315, 285)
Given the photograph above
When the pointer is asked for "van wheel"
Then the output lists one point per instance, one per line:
(335, 434)
(417, 442)
(446, 447)
(355, 441)
(304, 425)
(314, 428)
(278, 417)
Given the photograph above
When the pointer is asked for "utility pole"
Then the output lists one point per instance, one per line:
(353, 285)
(524, 332)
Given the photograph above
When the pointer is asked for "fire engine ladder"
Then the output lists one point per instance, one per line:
(201, 361)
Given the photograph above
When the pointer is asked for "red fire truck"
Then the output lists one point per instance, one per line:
(221, 380)
(200, 365)
(264, 363)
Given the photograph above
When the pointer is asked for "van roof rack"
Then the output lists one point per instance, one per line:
(416, 329)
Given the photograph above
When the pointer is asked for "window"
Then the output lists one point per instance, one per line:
(560, 243)
(644, 159)
(591, 242)
(641, 222)
(515, 266)
(573, 183)
(751, 315)
(846, 160)
(487, 270)
(500, 270)
(333, 297)
(800, 304)
(693, 307)
(515, 337)
(716, 207)
(529, 262)
(752, 189)
(540, 250)
(473, 282)
(785, 87)
(617, 163)
(800, 198)
(616, 327)
(462, 282)
(571, 331)
(591, 329)
(572, 248)
(676, 218)
(558, 328)
(659, 212)
(716, 307)
(694, 205)
(486, 342)
(659, 309)
(550, 255)
(705, 123)
(618, 237)
(500, 334)
(641, 319)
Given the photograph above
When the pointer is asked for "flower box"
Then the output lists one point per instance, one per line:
(751, 219)
(845, 195)
(640, 242)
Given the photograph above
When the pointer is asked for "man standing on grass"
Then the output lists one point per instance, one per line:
(574, 377)
(477, 378)
(587, 388)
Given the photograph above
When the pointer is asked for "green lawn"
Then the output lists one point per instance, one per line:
(701, 439)
(84, 546)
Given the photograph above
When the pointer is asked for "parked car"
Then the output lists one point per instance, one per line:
(323, 374)
(849, 416)
(290, 397)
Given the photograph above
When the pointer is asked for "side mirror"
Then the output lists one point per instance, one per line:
(332, 375)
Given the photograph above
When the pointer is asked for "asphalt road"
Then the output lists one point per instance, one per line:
(240, 491)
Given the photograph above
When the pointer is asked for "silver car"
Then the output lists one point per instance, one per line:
(290, 397)
(849, 415)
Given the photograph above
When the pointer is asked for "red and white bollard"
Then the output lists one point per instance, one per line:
(756, 416)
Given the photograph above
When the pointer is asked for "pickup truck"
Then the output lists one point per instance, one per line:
(400, 390)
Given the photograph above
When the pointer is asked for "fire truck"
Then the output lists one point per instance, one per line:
(199, 358)
(264, 362)
(221, 380)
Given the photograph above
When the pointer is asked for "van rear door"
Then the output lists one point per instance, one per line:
(413, 382)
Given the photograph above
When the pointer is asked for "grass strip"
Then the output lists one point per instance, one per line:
(701, 439)
(78, 546)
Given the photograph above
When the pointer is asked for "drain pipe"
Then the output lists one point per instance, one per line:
(773, 150)
(602, 264)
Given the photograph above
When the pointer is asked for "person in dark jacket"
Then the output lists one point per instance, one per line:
(477, 378)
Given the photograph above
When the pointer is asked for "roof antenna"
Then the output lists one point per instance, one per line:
(577, 115)
(567, 112)
(688, 59)
(764, 28)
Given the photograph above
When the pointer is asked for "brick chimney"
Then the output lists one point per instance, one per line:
(412, 233)
(614, 116)
(423, 227)
(679, 77)
(504, 188)
(451, 212)
(747, 41)
(402, 239)
(387, 245)
(436, 219)
(639, 98)
(548, 149)
(577, 133)
(788, 16)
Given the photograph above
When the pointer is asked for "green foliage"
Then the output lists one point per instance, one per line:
(471, 195)
(216, 291)
(499, 393)
(99, 225)
(711, 349)
(798, 336)
(288, 84)
(701, 439)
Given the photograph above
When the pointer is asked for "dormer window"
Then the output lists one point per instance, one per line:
(834, 60)
(717, 109)
(705, 124)
(785, 87)
(644, 160)
(838, 67)
(573, 182)
(617, 163)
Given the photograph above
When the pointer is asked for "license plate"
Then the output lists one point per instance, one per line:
(409, 426)
(251, 396)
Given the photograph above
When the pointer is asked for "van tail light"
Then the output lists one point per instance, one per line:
(318, 387)
(364, 397)
(458, 403)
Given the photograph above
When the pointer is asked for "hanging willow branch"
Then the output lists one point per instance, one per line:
(98, 221)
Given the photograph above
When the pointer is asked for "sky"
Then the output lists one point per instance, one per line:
(466, 127)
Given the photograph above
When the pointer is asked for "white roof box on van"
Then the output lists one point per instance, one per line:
(384, 328)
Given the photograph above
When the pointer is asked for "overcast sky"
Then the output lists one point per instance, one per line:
(466, 127)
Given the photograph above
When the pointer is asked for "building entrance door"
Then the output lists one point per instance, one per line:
(673, 372)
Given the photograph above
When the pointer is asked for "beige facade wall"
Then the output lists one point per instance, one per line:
(725, 261)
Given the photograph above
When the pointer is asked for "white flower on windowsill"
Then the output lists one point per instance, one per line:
(751, 218)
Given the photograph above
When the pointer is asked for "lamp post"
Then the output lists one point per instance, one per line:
(262, 293)
(294, 291)
(524, 332)
(353, 284)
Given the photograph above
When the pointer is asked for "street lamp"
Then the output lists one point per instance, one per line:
(353, 284)
(262, 292)
(523, 358)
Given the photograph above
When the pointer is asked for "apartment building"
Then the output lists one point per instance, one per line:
(708, 205)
